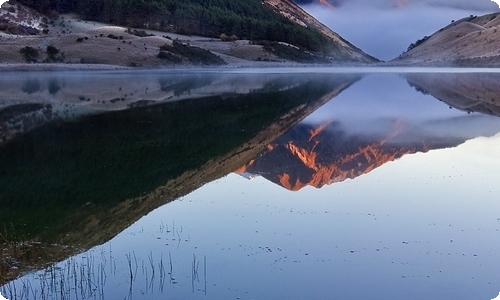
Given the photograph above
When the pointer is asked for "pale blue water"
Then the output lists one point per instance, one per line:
(424, 226)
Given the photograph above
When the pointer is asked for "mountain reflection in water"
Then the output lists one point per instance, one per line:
(82, 176)
(470, 92)
(83, 163)
(333, 149)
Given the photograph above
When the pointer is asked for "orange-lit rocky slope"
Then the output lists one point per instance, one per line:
(326, 153)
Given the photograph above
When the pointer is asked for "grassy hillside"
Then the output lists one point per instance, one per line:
(245, 19)
(471, 41)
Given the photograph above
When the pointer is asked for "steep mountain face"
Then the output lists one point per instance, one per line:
(466, 42)
(343, 49)
(314, 156)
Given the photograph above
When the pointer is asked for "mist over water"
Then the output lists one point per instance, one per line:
(385, 31)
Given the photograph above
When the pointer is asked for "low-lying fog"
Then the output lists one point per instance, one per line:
(385, 28)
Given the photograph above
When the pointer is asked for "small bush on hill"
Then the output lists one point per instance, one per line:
(169, 57)
(30, 54)
(193, 54)
(139, 33)
(417, 43)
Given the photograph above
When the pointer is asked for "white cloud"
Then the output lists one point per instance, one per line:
(497, 2)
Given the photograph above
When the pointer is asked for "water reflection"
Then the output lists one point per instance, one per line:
(470, 92)
(29, 101)
(399, 231)
(349, 137)
(85, 175)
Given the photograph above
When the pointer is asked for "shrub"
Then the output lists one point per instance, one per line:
(193, 54)
(139, 33)
(52, 51)
(169, 57)
(419, 42)
(224, 37)
(30, 54)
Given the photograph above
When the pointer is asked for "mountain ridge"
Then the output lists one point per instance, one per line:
(470, 41)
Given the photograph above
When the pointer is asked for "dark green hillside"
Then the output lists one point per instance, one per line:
(246, 19)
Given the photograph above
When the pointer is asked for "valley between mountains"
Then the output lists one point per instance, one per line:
(44, 35)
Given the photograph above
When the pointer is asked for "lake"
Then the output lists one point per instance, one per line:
(305, 183)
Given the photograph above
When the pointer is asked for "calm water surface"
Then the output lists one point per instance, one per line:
(237, 185)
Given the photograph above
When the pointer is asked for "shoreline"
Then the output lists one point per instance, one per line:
(347, 67)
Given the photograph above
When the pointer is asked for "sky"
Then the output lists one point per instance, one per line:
(384, 30)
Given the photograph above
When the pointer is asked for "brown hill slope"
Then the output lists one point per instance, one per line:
(472, 41)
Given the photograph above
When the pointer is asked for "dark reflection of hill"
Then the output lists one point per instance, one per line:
(470, 92)
(29, 101)
(328, 153)
(67, 186)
